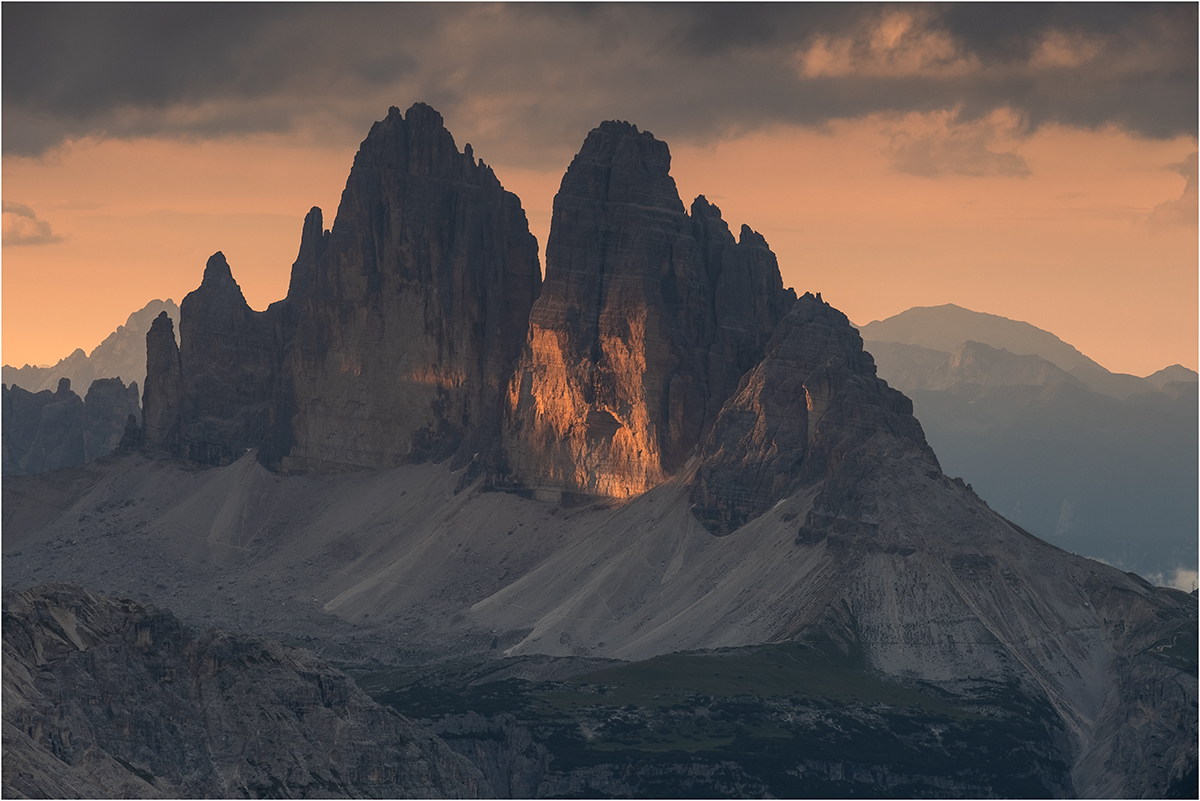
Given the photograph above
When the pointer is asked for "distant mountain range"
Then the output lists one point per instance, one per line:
(1097, 462)
(122, 355)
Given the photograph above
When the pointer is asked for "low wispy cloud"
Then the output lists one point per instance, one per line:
(1181, 578)
(22, 227)
(1185, 210)
(938, 144)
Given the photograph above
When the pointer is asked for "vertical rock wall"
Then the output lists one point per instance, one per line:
(812, 403)
(410, 311)
(228, 363)
(631, 352)
(162, 398)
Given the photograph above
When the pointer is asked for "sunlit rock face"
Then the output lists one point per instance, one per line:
(647, 319)
(810, 410)
(408, 314)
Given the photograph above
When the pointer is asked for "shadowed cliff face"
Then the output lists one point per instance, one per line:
(647, 319)
(397, 335)
(228, 364)
(51, 430)
(810, 405)
(411, 309)
(163, 396)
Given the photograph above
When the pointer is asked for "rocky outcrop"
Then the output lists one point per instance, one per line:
(51, 430)
(163, 399)
(397, 339)
(228, 365)
(811, 405)
(42, 431)
(110, 698)
(122, 353)
(397, 335)
(108, 405)
(409, 311)
(648, 317)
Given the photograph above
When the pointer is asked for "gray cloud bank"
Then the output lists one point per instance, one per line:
(524, 82)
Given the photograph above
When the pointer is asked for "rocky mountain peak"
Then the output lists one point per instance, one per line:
(647, 319)
(416, 143)
(812, 404)
(162, 396)
(218, 275)
(619, 164)
(314, 239)
(748, 237)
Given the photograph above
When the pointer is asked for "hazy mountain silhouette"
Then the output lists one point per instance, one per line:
(1049, 438)
(944, 328)
(122, 355)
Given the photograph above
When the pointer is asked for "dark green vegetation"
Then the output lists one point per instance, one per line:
(787, 720)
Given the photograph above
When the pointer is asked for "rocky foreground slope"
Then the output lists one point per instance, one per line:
(109, 698)
(675, 455)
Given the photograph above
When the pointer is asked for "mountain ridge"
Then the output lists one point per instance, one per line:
(668, 507)
(120, 355)
(945, 327)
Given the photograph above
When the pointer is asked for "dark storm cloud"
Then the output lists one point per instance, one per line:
(529, 80)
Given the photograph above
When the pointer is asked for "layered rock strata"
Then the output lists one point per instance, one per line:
(647, 319)
(110, 698)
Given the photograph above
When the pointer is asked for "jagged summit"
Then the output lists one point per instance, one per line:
(217, 273)
(398, 331)
(418, 143)
(647, 319)
(617, 164)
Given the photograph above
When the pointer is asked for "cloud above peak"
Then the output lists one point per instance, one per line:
(525, 82)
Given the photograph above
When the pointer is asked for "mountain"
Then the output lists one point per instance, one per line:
(111, 698)
(1103, 476)
(51, 430)
(122, 354)
(647, 319)
(675, 456)
(944, 328)
(1173, 380)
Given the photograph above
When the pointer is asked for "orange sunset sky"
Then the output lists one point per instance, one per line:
(1037, 162)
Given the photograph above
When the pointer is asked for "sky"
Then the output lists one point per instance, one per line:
(1036, 161)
